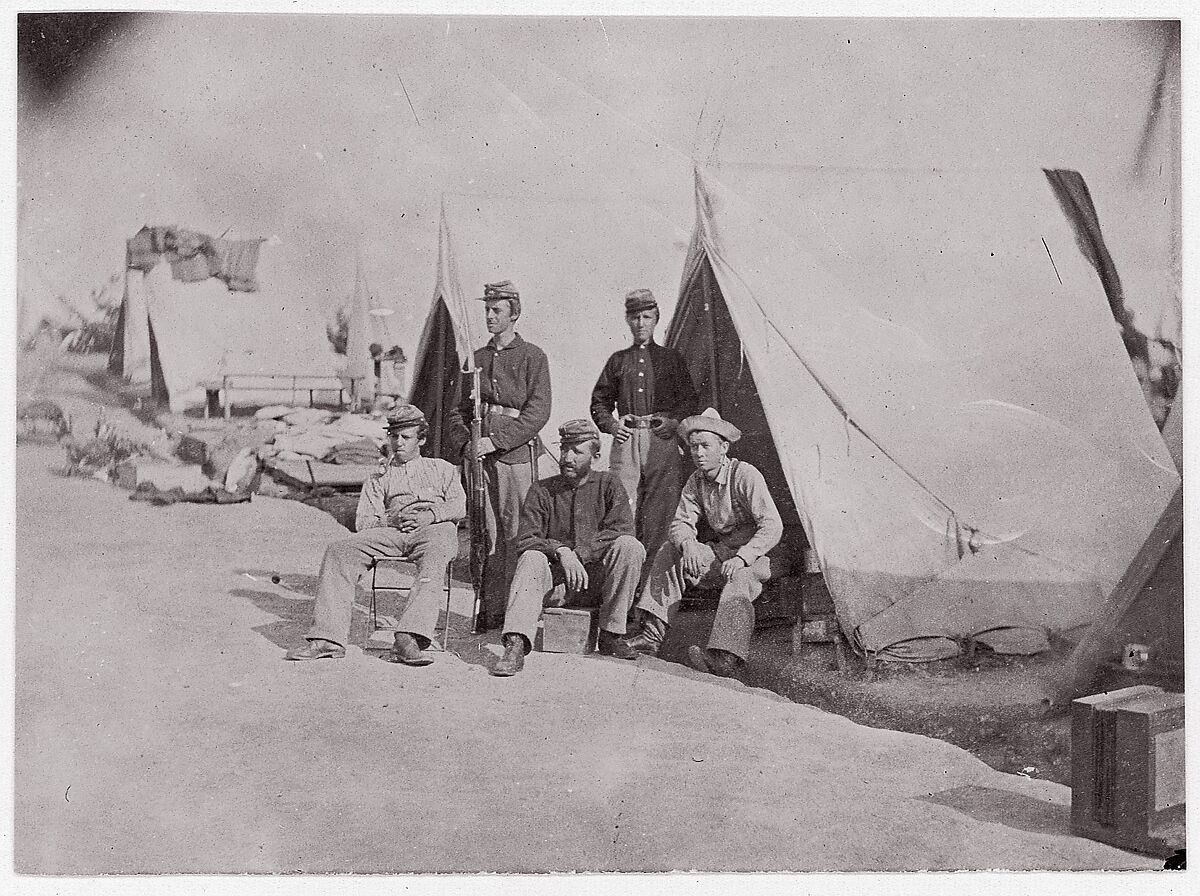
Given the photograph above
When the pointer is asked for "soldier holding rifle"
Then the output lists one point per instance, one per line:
(514, 396)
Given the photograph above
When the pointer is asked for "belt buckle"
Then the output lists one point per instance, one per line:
(634, 421)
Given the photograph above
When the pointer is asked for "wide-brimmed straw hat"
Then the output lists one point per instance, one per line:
(709, 421)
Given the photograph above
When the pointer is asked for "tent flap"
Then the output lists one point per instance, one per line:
(953, 411)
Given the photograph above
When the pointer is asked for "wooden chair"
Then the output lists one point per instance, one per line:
(395, 577)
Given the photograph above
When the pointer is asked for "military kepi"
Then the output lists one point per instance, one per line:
(639, 300)
(403, 416)
(709, 421)
(504, 289)
(575, 431)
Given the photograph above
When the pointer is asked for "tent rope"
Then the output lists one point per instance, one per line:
(850, 422)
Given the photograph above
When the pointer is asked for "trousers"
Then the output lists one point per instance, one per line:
(653, 472)
(432, 548)
(733, 624)
(612, 582)
(507, 485)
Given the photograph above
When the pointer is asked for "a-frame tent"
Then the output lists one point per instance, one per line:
(172, 336)
(1145, 609)
(573, 260)
(929, 364)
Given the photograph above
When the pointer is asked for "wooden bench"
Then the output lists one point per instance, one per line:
(217, 392)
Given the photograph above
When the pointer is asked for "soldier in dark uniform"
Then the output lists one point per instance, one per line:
(515, 386)
(651, 390)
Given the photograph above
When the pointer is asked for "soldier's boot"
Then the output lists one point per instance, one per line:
(649, 639)
(513, 660)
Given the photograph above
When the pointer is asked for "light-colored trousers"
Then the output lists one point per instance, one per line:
(507, 485)
(538, 583)
(653, 473)
(432, 548)
(733, 625)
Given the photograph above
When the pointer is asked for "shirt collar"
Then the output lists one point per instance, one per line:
(565, 486)
(402, 466)
(649, 345)
(516, 340)
(723, 472)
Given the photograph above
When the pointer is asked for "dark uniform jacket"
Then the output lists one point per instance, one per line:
(650, 379)
(587, 519)
(516, 376)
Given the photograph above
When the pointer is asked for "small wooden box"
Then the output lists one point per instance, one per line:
(568, 630)
(1127, 769)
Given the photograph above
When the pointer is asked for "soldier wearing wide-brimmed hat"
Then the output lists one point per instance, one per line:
(649, 387)
(515, 385)
(577, 549)
(731, 496)
(409, 509)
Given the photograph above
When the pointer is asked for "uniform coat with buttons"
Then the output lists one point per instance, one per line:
(643, 381)
(515, 376)
(591, 518)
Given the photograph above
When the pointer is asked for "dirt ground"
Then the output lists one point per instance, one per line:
(159, 729)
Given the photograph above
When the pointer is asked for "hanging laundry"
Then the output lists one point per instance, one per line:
(191, 269)
(140, 252)
(240, 264)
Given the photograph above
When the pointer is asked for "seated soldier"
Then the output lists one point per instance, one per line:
(409, 509)
(576, 540)
(731, 496)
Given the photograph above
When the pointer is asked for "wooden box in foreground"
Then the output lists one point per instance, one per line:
(1127, 775)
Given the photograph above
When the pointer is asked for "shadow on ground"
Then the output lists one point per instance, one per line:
(294, 615)
(297, 582)
(1013, 810)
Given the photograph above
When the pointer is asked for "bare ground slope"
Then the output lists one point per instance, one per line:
(158, 729)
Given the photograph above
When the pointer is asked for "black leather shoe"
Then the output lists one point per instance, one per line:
(714, 662)
(513, 660)
(406, 650)
(650, 639)
(317, 649)
(612, 644)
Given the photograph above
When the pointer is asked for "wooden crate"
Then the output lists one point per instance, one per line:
(568, 630)
(1127, 769)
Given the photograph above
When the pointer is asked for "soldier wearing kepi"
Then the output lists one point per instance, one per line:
(651, 389)
(731, 496)
(515, 386)
(577, 548)
(409, 509)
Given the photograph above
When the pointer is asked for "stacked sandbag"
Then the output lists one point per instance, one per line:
(361, 451)
(312, 435)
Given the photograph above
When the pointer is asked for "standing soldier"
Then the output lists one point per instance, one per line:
(515, 390)
(650, 388)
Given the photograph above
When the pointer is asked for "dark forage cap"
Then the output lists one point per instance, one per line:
(575, 431)
(504, 289)
(403, 416)
(639, 300)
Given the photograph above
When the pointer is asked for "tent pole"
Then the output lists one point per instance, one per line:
(713, 376)
(439, 356)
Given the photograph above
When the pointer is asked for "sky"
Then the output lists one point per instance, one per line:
(340, 134)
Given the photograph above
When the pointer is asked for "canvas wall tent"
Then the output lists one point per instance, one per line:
(173, 336)
(573, 260)
(1145, 609)
(944, 389)
(370, 324)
